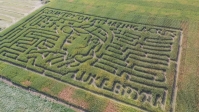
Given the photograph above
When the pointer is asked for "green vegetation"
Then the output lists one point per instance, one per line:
(14, 10)
(128, 51)
(96, 54)
(18, 100)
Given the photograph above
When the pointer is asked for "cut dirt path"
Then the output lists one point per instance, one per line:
(175, 87)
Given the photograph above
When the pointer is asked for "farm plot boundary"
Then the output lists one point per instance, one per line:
(54, 75)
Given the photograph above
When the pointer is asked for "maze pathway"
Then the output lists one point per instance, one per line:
(128, 62)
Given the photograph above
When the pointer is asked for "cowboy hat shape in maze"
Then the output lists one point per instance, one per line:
(124, 61)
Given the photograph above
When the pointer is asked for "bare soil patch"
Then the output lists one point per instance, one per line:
(67, 95)
(26, 83)
(111, 107)
(70, 0)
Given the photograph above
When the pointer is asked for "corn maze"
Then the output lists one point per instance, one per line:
(120, 60)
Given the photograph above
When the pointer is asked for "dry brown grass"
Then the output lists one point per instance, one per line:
(45, 89)
(70, 0)
(111, 107)
(26, 83)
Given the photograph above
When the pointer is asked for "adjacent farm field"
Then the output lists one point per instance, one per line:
(108, 55)
(17, 100)
(13, 10)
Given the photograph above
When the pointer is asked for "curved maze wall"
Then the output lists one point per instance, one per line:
(124, 61)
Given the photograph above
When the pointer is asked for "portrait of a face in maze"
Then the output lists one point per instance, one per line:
(76, 43)
(82, 41)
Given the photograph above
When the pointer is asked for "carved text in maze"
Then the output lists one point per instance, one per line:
(124, 61)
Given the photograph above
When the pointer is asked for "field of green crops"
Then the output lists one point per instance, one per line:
(132, 55)
(14, 99)
(12, 11)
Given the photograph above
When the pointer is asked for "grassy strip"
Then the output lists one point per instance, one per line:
(172, 9)
(188, 86)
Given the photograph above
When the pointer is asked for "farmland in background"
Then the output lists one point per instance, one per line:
(12, 11)
(14, 99)
(130, 55)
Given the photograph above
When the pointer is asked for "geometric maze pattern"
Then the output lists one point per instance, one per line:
(121, 60)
